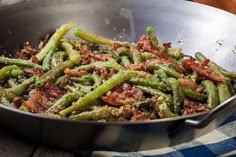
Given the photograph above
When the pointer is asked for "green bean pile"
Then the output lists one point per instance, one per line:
(95, 78)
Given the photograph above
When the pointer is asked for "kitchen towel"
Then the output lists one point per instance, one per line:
(219, 142)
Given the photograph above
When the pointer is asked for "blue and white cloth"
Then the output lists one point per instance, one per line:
(219, 142)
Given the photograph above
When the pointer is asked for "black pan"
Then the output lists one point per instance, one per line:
(188, 25)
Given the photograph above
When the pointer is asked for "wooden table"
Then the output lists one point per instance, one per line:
(12, 146)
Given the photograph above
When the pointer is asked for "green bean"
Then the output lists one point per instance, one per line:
(136, 56)
(165, 111)
(223, 91)
(152, 36)
(58, 58)
(97, 80)
(96, 114)
(64, 101)
(155, 92)
(177, 91)
(19, 62)
(114, 81)
(194, 95)
(93, 38)
(19, 89)
(54, 40)
(47, 60)
(200, 57)
(6, 102)
(12, 82)
(175, 52)
(76, 90)
(99, 64)
(74, 55)
(60, 79)
(81, 80)
(84, 88)
(147, 55)
(125, 60)
(6, 71)
(148, 82)
(123, 51)
(24, 108)
(161, 73)
(230, 85)
(4, 93)
(53, 74)
(16, 72)
(170, 72)
(213, 98)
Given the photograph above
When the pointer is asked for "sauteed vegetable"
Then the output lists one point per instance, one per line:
(95, 78)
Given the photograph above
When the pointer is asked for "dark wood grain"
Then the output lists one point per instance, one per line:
(11, 146)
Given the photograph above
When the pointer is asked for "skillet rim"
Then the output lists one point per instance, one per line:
(43, 117)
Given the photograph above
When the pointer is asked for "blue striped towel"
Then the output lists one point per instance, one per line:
(219, 142)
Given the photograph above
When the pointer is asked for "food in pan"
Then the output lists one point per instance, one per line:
(95, 78)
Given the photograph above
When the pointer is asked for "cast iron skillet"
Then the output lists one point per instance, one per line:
(191, 26)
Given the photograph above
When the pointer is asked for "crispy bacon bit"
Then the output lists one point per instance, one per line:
(139, 116)
(188, 83)
(205, 62)
(41, 100)
(27, 52)
(138, 67)
(18, 102)
(115, 46)
(52, 92)
(145, 44)
(163, 58)
(44, 42)
(35, 103)
(123, 95)
(29, 72)
(64, 82)
(74, 73)
(193, 107)
(167, 45)
(90, 57)
(205, 71)
(34, 59)
(105, 73)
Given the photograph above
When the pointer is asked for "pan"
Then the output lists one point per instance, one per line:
(193, 27)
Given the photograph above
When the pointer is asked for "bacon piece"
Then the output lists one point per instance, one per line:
(52, 92)
(27, 52)
(192, 107)
(36, 102)
(145, 44)
(41, 100)
(64, 82)
(74, 73)
(34, 59)
(115, 46)
(188, 83)
(105, 73)
(163, 58)
(44, 42)
(90, 57)
(123, 95)
(29, 72)
(138, 67)
(139, 116)
(206, 71)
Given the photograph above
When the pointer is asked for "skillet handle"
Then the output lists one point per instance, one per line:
(226, 108)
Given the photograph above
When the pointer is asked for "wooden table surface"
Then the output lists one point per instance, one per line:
(12, 146)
